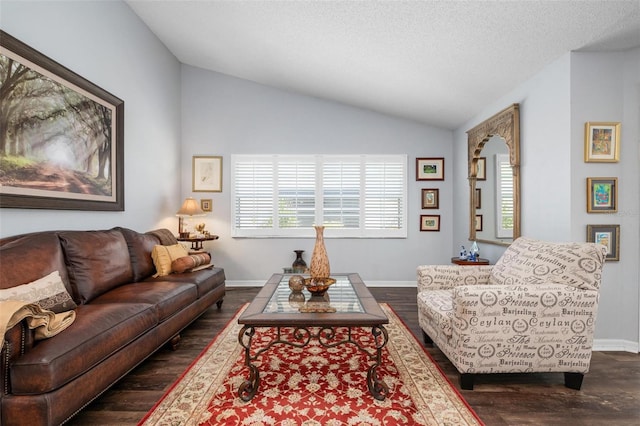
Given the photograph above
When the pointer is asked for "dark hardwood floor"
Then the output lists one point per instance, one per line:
(610, 393)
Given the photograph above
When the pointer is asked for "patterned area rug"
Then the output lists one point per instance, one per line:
(313, 385)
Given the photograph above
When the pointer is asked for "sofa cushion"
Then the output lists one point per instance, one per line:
(30, 257)
(166, 297)
(97, 261)
(48, 292)
(140, 248)
(163, 256)
(205, 280)
(98, 332)
(530, 261)
(437, 305)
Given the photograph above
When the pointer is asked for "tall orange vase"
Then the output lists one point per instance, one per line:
(319, 268)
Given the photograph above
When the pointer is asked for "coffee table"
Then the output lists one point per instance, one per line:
(348, 304)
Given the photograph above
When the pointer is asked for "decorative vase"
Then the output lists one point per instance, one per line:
(319, 260)
(299, 265)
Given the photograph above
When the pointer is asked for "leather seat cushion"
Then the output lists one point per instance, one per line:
(166, 297)
(205, 279)
(98, 331)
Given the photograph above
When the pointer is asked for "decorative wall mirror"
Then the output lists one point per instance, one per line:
(494, 178)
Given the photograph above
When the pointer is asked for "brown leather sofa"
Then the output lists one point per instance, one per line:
(124, 314)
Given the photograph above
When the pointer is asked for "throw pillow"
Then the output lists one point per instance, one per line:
(187, 263)
(48, 292)
(163, 256)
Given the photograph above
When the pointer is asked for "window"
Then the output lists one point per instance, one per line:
(504, 197)
(360, 196)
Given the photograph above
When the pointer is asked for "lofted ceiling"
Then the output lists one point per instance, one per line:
(436, 62)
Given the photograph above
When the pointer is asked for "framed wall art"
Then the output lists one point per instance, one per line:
(478, 222)
(482, 169)
(608, 235)
(206, 205)
(478, 198)
(602, 195)
(430, 198)
(601, 142)
(430, 222)
(207, 173)
(64, 143)
(430, 168)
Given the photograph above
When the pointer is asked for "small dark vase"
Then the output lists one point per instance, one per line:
(299, 265)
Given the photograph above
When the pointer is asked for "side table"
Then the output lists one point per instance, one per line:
(196, 243)
(480, 261)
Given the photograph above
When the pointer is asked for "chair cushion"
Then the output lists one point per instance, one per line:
(437, 305)
(98, 331)
(140, 247)
(205, 280)
(530, 261)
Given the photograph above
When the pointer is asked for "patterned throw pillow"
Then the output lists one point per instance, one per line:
(163, 256)
(188, 263)
(49, 292)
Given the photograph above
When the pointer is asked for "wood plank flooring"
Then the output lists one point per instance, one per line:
(610, 393)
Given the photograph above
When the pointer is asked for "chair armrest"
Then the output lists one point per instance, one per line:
(446, 277)
(523, 310)
(16, 341)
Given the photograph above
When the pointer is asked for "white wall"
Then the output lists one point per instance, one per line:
(107, 44)
(224, 115)
(606, 87)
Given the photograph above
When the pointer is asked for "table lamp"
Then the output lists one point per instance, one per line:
(189, 209)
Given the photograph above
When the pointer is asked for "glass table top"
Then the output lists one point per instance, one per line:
(340, 297)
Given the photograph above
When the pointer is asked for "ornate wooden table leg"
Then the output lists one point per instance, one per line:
(249, 387)
(378, 388)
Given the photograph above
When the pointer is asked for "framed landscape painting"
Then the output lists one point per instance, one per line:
(62, 137)
(430, 222)
(430, 168)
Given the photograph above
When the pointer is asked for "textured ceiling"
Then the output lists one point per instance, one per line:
(436, 62)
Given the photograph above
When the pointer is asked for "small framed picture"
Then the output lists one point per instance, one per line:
(430, 222)
(478, 222)
(482, 169)
(601, 142)
(478, 198)
(430, 198)
(607, 235)
(430, 168)
(206, 205)
(602, 195)
(207, 174)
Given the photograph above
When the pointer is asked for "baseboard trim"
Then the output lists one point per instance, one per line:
(260, 283)
(615, 345)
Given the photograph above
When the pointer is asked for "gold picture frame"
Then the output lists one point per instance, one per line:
(602, 195)
(601, 142)
(609, 235)
(206, 173)
(206, 204)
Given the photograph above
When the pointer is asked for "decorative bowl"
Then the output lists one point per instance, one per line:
(318, 286)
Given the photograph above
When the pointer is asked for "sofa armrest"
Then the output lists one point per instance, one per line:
(16, 341)
(543, 313)
(446, 277)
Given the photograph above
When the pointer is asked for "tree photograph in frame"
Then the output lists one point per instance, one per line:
(602, 195)
(61, 138)
(430, 198)
(601, 142)
(430, 222)
(207, 173)
(430, 168)
(607, 235)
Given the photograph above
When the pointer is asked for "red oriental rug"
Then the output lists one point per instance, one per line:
(313, 385)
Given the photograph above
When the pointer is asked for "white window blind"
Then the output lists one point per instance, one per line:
(504, 197)
(351, 195)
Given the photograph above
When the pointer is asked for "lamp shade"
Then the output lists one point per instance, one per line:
(190, 208)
